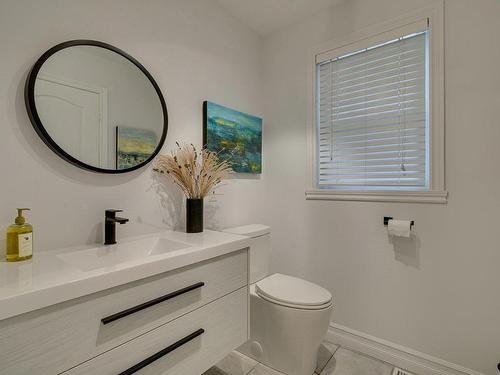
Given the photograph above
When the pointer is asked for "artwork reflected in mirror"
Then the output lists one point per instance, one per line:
(78, 92)
(133, 146)
(234, 135)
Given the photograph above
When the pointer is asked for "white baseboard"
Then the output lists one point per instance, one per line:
(400, 356)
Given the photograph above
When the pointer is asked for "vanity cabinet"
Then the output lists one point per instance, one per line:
(193, 316)
(197, 337)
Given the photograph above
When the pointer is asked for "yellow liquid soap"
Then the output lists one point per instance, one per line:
(19, 239)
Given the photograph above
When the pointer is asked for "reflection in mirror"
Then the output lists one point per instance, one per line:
(98, 107)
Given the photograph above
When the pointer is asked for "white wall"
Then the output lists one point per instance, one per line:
(195, 53)
(440, 293)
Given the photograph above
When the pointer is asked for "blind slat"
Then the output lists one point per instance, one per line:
(388, 131)
(376, 95)
(377, 168)
(407, 58)
(368, 162)
(372, 54)
(381, 120)
(419, 138)
(406, 85)
(401, 101)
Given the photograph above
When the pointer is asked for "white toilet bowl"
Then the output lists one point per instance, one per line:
(288, 321)
(289, 316)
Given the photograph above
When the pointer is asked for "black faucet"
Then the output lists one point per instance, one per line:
(110, 226)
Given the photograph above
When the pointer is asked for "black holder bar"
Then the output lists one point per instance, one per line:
(163, 352)
(153, 302)
(387, 218)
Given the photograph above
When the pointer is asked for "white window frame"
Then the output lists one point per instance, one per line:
(436, 193)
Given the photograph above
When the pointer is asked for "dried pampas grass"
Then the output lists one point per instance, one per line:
(197, 173)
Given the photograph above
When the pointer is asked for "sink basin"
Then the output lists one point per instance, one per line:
(109, 256)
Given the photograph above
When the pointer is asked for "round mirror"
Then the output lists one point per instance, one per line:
(96, 106)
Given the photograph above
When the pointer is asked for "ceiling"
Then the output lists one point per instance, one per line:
(266, 16)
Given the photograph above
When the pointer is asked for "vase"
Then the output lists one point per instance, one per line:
(194, 215)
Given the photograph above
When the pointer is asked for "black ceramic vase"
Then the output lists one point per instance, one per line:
(194, 215)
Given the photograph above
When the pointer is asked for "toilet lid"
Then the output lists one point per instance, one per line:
(293, 292)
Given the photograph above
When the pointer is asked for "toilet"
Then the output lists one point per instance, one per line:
(289, 316)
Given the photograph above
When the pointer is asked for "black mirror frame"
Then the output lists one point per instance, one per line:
(29, 98)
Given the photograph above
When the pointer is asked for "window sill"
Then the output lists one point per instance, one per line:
(438, 197)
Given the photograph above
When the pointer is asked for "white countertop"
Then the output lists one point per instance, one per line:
(48, 279)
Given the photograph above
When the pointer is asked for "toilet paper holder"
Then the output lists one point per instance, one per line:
(387, 218)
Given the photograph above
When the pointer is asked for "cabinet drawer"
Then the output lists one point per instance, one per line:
(53, 339)
(187, 346)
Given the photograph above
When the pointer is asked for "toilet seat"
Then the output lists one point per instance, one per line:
(293, 292)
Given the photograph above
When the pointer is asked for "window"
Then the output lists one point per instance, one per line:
(373, 126)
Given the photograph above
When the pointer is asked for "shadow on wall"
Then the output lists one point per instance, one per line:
(244, 176)
(170, 198)
(96, 234)
(210, 211)
(407, 250)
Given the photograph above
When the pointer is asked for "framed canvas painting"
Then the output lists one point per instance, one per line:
(235, 135)
(133, 146)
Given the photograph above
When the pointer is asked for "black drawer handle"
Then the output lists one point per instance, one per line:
(153, 302)
(161, 353)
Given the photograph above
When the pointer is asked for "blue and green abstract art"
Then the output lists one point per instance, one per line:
(236, 136)
(133, 146)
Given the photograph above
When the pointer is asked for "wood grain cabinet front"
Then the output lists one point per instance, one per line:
(188, 345)
(54, 339)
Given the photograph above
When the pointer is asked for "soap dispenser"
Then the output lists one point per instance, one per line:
(19, 239)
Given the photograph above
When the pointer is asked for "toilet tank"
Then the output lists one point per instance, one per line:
(260, 248)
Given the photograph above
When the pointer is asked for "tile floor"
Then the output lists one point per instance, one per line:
(332, 360)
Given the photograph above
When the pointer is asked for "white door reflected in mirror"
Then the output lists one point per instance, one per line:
(71, 114)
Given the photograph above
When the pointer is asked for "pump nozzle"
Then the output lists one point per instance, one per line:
(20, 218)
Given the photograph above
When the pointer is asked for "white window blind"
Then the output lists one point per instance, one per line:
(372, 117)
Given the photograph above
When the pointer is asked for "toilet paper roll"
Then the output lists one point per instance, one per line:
(399, 228)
